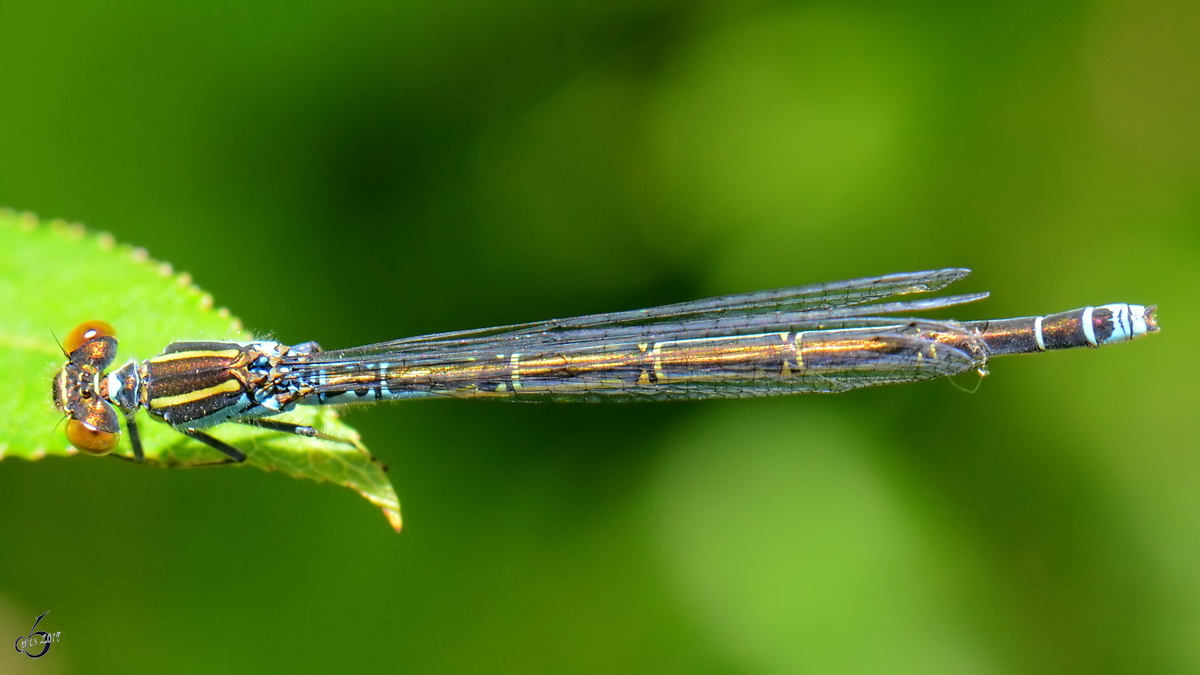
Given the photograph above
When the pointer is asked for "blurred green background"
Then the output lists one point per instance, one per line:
(356, 172)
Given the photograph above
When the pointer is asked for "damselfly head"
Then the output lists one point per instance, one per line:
(92, 425)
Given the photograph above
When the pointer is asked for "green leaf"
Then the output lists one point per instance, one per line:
(55, 276)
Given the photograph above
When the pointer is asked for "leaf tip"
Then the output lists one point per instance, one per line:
(383, 496)
(394, 520)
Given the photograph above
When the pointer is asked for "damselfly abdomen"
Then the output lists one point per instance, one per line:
(822, 338)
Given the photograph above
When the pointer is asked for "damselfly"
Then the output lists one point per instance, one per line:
(822, 338)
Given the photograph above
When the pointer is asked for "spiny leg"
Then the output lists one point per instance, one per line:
(284, 427)
(295, 429)
(216, 444)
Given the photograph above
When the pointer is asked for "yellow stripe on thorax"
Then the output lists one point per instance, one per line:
(224, 354)
(226, 387)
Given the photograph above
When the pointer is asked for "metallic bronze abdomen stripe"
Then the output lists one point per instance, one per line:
(1010, 336)
(1064, 331)
(740, 365)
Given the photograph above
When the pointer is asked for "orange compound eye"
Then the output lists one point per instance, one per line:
(91, 440)
(88, 330)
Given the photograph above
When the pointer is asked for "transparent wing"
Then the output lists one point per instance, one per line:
(826, 304)
(821, 338)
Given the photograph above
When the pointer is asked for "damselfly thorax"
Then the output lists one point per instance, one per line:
(822, 338)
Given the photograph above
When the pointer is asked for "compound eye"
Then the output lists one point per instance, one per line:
(88, 330)
(91, 440)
